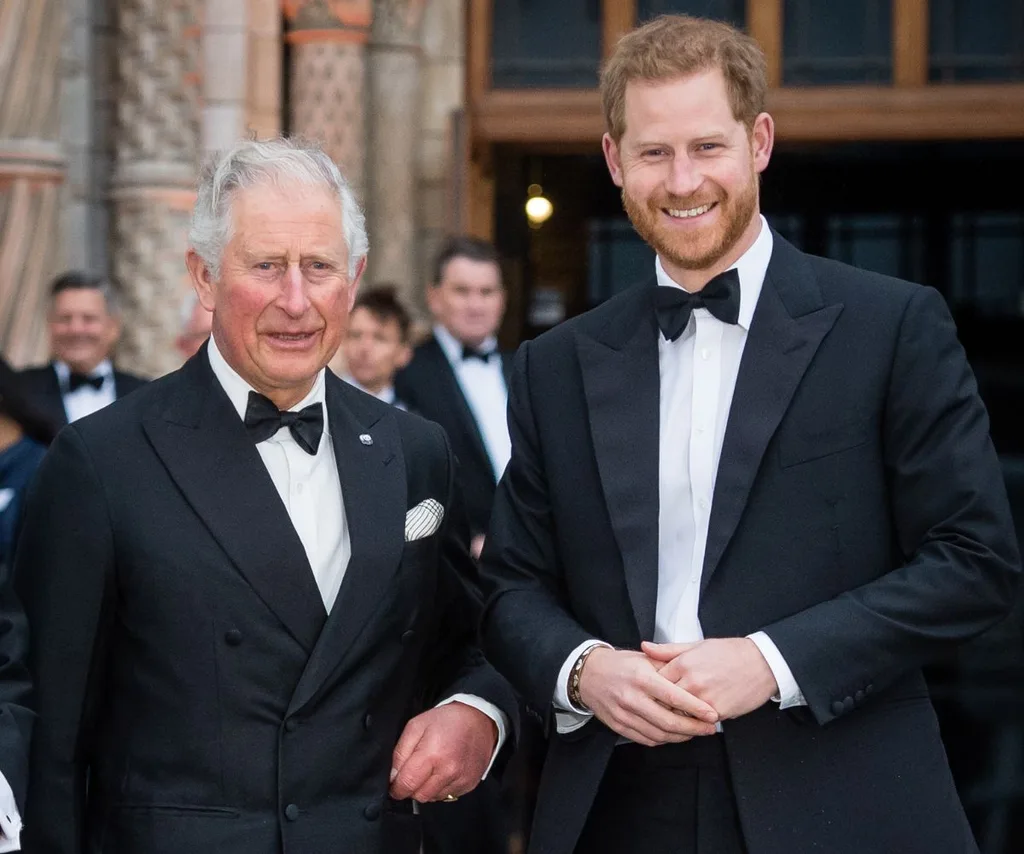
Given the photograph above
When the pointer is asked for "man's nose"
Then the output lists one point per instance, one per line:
(294, 299)
(684, 178)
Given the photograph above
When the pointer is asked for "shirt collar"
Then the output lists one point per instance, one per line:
(385, 395)
(452, 347)
(752, 266)
(237, 389)
(103, 369)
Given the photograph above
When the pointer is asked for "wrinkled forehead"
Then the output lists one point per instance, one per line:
(283, 213)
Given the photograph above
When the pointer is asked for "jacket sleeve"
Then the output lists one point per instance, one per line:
(454, 661)
(527, 630)
(16, 716)
(957, 565)
(65, 573)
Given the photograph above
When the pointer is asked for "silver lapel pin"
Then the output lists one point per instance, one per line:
(366, 439)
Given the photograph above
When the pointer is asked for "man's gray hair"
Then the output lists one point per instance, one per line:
(277, 161)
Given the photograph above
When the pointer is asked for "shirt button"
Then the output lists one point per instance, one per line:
(700, 430)
(703, 504)
(298, 488)
(232, 637)
(705, 353)
(291, 812)
(291, 724)
(694, 579)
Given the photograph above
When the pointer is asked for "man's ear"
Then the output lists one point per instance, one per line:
(354, 285)
(404, 357)
(203, 283)
(612, 158)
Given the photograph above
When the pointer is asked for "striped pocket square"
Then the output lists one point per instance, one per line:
(423, 520)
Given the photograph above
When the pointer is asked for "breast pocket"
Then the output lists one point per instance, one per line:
(822, 440)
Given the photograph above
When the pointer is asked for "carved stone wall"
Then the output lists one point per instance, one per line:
(328, 73)
(157, 143)
(31, 170)
(395, 86)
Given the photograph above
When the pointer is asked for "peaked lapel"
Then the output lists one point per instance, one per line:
(373, 490)
(448, 385)
(789, 324)
(622, 384)
(203, 444)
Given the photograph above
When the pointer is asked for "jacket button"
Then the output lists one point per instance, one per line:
(291, 724)
(291, 812)
(859, 697)
(232, 637)
(848, 704)
(408, 636)
(368, 722)
(869, 688)
(837, 707)
(372, 811)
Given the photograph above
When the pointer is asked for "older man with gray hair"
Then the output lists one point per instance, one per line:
(253, 608)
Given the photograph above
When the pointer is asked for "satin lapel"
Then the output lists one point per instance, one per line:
(788, 326)
(457, 400)
(202, 443)
(373, 490)
(622, 385)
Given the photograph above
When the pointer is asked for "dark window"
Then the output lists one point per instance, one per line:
(972, 42)
(826, 44)
(733, 11)
(538, 44)
(891, 244)
(986, 273)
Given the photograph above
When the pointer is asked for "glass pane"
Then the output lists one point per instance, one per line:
(617, 258)
(733, 11)
(889, 244)
(987, 263)
(538, 44)
(825, 44)
(966, 45)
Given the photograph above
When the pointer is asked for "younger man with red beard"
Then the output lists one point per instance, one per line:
(746, 502)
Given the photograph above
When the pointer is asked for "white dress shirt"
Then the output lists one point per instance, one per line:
(698, 376)
(86, 400)
(483, 386)
(10, 819)
(310, 488)
(385, 395)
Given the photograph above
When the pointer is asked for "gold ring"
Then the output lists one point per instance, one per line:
(450, 799)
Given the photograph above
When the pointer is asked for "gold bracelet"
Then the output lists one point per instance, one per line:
(574, 679)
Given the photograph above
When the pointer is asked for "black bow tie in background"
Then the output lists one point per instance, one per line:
(76, 381)
(263, 419)
(720, 296)
(472, 353)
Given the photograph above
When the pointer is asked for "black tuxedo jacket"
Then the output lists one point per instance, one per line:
(859, 518)
(428, 386)
(16, 717)
(193, 694)
(42, 386)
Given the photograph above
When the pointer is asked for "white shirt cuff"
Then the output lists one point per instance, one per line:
(489, 709)
(10, 819)
(789, 694)
(569, 717)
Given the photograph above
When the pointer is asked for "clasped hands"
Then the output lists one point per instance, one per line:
(673, 692)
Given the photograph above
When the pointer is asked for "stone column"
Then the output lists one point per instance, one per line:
(157, 142)
(266, 51)
(394, 96)
(328, 70)
(225, 72)
(31, 171)
(444, 70)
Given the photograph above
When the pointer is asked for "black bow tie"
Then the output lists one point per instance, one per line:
(76, 381)
(720, 296)
(472, 353)
(263, 419)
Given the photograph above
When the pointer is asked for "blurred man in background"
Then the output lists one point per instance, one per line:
(377, 343)
(85, 324)
(458, 377)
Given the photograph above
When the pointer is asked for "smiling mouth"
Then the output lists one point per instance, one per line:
(688, 213)
(292, 336)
